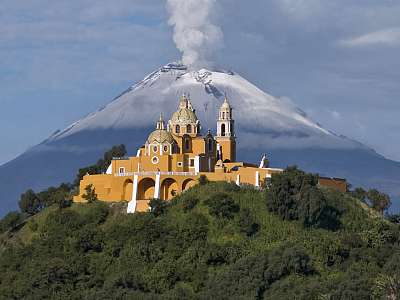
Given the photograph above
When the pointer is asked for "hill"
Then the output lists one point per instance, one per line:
(214, 241)
(264, 124)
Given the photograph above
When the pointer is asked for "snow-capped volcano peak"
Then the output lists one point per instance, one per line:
(262, 120)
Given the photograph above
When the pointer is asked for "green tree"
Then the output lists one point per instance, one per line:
(11, 221)
(189, 204)
(90, 194)
(246, 222)
(359, 193)
(283, 194)
(102, 164)
(203, 180)
(222, 206)
(158, 207)
(30, 203)
(115, 152)
(379, 201)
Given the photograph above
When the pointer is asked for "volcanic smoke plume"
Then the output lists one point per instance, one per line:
(194, 33)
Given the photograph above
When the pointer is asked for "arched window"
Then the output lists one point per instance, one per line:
(187, 144)
(189, 128)
(223, 130)
(177, 129)
(223, 115)
(210, 145)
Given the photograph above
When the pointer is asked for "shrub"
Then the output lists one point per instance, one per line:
(30, 203)
(10, 221)
(158, 207)
(247, 223)
(189, 204)
(222, 206)
(203, 180)
(294, 195)
(90, 194)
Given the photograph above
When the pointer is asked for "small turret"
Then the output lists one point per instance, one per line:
(160, 123)
(226, 132)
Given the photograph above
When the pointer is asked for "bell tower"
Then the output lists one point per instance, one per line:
(226, 138)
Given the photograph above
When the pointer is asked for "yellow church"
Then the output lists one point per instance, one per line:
(172, 160)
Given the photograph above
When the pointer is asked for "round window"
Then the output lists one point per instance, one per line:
(154, 160)
(155, 148)
(165, 148)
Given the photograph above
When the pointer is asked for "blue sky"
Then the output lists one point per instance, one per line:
(338, 60)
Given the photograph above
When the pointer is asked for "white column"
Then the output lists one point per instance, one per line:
(257, 178)
(197, 164)
(132, 204)
(157, 187)
(109, 169)
(238, 179)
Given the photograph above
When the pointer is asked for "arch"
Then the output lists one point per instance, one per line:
(177, 129)
(188, 128)
(223, 130)
(127, 190)
(227, 161)
(169, 189)
(146, 188)
(187, 184)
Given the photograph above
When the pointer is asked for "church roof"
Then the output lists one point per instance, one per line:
(160, 136)
(226, 104)
(185, 113)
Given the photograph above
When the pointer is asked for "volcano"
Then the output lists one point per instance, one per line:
(265, 124)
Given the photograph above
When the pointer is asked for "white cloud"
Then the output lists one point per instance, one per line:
(336, 115)
(389, 36)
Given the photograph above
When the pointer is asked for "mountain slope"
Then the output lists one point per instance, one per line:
(265, 124)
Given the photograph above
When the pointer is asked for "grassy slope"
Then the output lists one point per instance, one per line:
(322, 245)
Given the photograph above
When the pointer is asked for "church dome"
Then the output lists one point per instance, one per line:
(184, 115)
(160, 136)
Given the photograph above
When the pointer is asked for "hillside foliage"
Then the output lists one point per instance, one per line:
(216, 240)
(293, 240)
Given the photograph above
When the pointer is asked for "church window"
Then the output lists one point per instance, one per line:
(191, 162)
(223, 130)
(180, 164)
(154, 160)
(177, 129)
(223, 115)
(187, 144)
(155, 148)
(189, 128)
(165, 148)
(210, 145)
(121, 170)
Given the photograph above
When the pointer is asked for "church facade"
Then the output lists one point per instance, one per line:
(172, 160)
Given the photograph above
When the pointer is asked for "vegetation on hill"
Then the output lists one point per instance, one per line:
(214, 241)
(293, 240)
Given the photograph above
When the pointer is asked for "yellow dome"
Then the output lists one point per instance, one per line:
(184, 115)
(160, 136)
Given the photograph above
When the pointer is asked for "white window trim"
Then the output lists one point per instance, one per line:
(121, 170)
